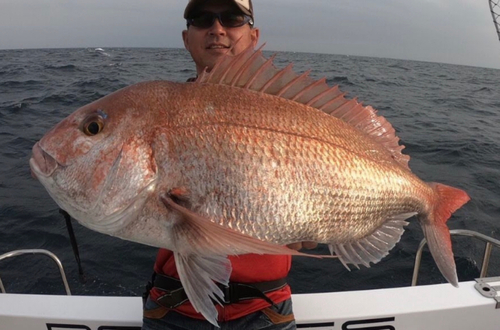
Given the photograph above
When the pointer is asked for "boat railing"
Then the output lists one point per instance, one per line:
(49, 254)
(490, 242)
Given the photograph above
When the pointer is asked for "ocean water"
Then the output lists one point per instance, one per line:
(447, 116)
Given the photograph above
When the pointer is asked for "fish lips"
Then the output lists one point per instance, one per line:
(42, 163)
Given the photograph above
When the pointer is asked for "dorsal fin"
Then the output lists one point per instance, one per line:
(251, 70)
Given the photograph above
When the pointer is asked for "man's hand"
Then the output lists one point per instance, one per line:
(302, 245)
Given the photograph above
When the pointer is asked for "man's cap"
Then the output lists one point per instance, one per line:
(244, 5)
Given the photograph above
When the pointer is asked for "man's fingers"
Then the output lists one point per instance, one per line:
(309, 245)
(295, 246)
(302, 245)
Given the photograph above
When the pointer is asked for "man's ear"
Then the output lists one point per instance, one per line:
(185, 39)
(255, 36)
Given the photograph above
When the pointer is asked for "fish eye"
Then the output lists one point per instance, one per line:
(93, 125)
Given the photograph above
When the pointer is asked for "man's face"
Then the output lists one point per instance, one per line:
(208, 45)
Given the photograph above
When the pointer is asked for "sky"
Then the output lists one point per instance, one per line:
(446, 31)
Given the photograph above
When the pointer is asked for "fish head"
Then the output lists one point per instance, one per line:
(98, 164)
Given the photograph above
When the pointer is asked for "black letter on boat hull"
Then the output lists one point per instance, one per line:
(346, 325)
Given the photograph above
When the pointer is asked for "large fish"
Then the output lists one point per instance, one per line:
(245, 160)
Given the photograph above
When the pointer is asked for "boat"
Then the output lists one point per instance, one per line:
(473, 305)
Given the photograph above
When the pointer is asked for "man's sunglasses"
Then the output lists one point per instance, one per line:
(228, 19)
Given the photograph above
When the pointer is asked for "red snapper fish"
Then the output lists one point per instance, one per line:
(245, 160)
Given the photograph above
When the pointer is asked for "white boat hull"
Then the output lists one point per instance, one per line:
(429, 307)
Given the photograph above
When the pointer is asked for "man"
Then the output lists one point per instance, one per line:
(258, 296)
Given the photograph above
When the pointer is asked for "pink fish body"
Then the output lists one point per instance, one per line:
(245, 160)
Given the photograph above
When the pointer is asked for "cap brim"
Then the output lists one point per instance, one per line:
(196, 3)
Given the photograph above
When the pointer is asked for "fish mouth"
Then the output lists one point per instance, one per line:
(41, 163)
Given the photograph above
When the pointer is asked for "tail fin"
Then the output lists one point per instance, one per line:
(436, 232)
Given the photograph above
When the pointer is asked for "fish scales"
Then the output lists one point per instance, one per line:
(209, 170)
(302, 168)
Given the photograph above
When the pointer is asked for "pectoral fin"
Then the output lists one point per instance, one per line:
(198, 276)
(195, 234)
(201, 253)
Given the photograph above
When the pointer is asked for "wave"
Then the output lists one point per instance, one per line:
(342, 80)
(64, 67)
(399, 66)
(21, 83)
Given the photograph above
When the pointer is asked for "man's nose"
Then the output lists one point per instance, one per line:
(217, 28)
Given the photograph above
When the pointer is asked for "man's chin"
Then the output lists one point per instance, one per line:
(217, 51)
(212, 56)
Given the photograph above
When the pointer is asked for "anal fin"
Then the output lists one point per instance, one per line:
(372, 248)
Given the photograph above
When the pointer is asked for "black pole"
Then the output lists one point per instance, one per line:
(74, 243)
